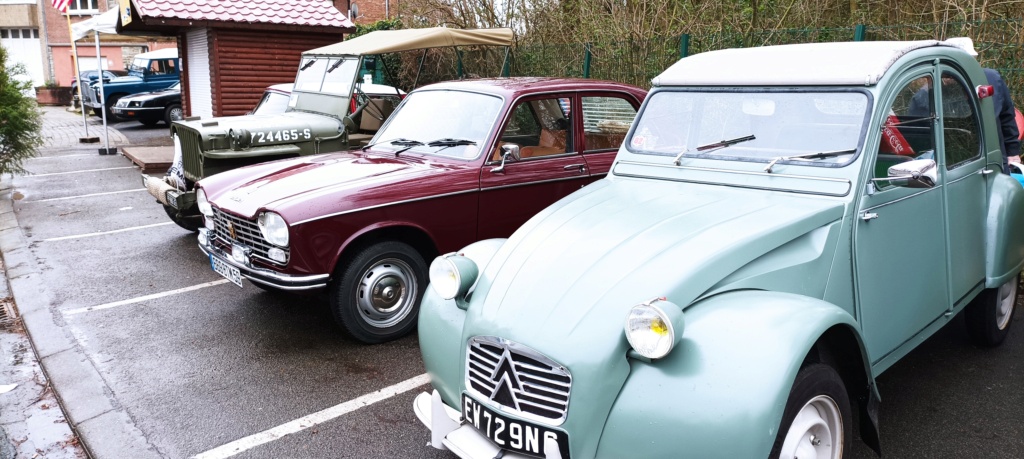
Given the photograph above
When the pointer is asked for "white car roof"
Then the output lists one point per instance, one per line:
(164, 53)
(843, 63)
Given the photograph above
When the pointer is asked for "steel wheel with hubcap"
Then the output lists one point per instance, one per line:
(817, 419)
(376, 297)
(990, 314)
(173, 113)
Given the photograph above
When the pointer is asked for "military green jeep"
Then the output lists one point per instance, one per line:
(330, 109)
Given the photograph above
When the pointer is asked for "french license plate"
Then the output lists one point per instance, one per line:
(509, 434)
(229, 272)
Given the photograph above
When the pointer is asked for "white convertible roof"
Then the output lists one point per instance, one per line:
(393, 41)
(164, 53)
(843, 63)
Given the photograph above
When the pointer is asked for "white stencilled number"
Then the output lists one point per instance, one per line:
(305, 133)
(286, 135)
(252, 136)
(278, 136)
(295, 134)
(263, 137)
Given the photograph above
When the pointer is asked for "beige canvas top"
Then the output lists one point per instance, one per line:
(392, 41)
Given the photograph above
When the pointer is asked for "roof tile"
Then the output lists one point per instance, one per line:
(289, 12)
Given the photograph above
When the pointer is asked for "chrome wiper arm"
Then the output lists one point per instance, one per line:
(396, 141)
(714, 146)
(808, 156)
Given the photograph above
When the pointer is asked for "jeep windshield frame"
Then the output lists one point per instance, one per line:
(675, 121)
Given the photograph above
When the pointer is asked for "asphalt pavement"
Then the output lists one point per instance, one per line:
(153, 355)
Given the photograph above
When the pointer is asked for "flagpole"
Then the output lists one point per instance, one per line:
(78, 74)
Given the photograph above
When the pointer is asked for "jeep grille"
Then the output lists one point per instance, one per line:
(518, 379)
(191, 153)
(246, 232)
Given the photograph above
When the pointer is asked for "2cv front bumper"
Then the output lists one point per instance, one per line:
(449, 431)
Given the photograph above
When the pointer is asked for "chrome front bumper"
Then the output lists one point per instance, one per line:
(447, 431)
(264, 276)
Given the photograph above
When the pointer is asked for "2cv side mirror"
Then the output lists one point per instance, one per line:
(509, 151)
(919, 173)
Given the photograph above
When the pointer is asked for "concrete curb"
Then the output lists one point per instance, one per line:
(104, 428)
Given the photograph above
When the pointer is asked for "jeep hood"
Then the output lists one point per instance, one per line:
(563, 283)
(270, 122)
(314, 186)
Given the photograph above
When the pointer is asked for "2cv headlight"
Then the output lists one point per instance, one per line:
(652, 327)
(451, 275)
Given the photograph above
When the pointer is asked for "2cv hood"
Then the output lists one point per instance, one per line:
(564, 282)
(314, 186)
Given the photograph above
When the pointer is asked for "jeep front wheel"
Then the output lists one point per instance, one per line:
(377, 295)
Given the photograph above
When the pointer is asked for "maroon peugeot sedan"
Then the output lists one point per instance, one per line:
(457, 162)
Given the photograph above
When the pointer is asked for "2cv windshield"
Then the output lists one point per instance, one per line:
(454, 124)
(752, 125)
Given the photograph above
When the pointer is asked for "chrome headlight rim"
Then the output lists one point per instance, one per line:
(274, 228)
(205, 208)
(652, 328)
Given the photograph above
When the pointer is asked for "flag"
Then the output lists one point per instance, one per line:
(61, 5)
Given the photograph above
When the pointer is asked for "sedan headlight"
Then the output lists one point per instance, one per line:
(652, 327)
(274, 229)
(451, 275)
(204, 204)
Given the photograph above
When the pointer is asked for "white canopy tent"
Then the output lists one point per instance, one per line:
(105, 23)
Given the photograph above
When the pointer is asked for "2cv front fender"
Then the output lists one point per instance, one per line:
(1004, 230)
(722, 391)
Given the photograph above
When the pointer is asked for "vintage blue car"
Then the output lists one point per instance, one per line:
(781, 225)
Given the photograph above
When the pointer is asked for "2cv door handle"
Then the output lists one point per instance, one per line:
(868, 216)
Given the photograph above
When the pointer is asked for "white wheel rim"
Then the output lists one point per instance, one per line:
(1005, 301)
(816, 431)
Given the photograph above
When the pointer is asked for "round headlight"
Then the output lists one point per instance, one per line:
(452, 275)
(651, 330)
(204, 204)
(274, 229)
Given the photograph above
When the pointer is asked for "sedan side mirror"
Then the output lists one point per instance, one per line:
(919, 173)
(509, 151)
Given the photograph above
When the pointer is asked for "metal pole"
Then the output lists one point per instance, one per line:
(419, 69)
(103, 96)
(78, 76)
(506, 67)
(459, 70)
(684, 45)
(586, 60)
(858, 33)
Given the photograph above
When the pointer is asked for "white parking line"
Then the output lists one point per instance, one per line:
(79, 172)
(311, 420)
(71, 312)
(85, 195)
(101, 233)
(61, 156)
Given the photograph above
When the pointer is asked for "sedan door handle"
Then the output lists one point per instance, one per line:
(581, 167)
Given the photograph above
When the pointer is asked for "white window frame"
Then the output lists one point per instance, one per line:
(73, 10)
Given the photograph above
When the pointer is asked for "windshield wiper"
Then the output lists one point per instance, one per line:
(406, 143)
(336, 65)
(307, 65)
(397, 141)
(448, 143)
(714, 146)
(808, 157)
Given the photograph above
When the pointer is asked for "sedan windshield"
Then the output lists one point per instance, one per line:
(443, 123)
(751, 126)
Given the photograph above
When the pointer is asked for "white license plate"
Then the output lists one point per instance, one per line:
(229, 272)
(509, 434)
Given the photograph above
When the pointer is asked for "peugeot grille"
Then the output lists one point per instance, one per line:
(229, 229)
(518, 379)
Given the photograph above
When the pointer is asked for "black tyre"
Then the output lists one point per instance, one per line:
(817, 421)
(111, 102)
(173, 113)
(149, 122)
(376, 294)
(990, 314)
(190, 223)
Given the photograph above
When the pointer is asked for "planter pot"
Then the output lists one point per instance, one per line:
(53, 96)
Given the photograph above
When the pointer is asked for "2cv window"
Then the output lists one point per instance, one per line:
(907, 132)
(959, 122)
